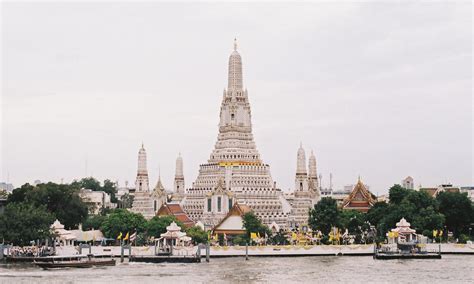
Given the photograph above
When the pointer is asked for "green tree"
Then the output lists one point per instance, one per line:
(252, 224)
(397, 193)
(458, 210)
(198, 235)
(157, 225)
(94, 185)
(60, 199)
(88, 183)
(123, 221)
(324, 215)
(3, 194)
(280, 238)
(353, 221)
(22, 223)
(94, 222)
(377, 212)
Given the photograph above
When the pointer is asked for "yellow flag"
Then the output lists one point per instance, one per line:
(126, 237)
(258, 235)
(253, 236)
(435, 233)
(294, 236)
(440, 233)
(119, 236)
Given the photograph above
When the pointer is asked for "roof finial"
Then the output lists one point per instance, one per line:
(159, 173)
(359, 179)
(235, 44)
(301, 144)
(142, 145)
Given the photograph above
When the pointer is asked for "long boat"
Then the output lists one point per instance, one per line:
(90, 262)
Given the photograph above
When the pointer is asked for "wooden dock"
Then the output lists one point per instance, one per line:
(164, 258)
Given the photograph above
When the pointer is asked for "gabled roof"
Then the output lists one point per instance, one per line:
(430, 190)
(174, 209)
(359, 199)
(238, 210)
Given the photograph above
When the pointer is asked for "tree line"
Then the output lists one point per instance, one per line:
(448, 211)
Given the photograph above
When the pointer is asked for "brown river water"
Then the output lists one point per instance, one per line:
(315, 269)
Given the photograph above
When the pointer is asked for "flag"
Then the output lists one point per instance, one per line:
(126, 237)
(435, 233)
(133, 236)
(294, 236)
(119, 236)
(258, 235)
(253, 236)
(440, 233)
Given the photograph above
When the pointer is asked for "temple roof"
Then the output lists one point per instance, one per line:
(360, 198)
(174, 209)
(234, 219)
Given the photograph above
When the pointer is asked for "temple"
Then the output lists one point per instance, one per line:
(147, 202)
(360, 199)
(235, 172)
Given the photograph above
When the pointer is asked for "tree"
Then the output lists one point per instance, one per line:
(94, 222)
(94, 185)
(458, 210)
(252, 224)
(397, 193)
(123, 221)
(324, 215)
(157, 225)
(88, 183)
(198, 235)
(3, 194)
(377, 212)
(62, 200)
(110, 187)
(22, 223)
(353, 221)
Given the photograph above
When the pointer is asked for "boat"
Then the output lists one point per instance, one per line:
(77, 263)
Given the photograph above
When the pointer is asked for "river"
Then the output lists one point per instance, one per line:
(321, 269)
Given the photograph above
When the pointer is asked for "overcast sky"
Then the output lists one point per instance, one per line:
(377, 90)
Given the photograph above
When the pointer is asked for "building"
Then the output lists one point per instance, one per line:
(96, 200)
(147, 202)
(408, 183)
(174, 209)
(306, 193)
(434, 191)
(233, 222)
(235, 171)
(360, 199)
(469, 190)
(8, 187)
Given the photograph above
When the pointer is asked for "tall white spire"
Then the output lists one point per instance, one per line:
(235, 70)
(179, 176)
(301, 161)
(141, 183)
(312, 166)
(179, 166)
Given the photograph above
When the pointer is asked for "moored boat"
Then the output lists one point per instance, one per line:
(78, 263)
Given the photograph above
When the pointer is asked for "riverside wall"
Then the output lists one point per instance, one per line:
(231, 251)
